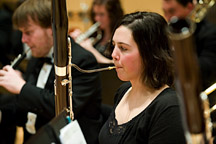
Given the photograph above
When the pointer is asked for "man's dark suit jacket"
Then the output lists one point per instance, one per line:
(86, 96)
(205, 40)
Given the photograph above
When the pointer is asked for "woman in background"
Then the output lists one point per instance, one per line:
(107, 13)
(146, 110)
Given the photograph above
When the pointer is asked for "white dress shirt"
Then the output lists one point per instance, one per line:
(45, 71)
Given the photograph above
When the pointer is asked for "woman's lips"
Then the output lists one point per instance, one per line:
(118, 67)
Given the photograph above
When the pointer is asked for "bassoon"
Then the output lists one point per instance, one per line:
(60, 38)
(51, 131)
(63, 58)
(195, 104)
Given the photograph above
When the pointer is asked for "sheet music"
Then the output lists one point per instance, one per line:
(72, 133)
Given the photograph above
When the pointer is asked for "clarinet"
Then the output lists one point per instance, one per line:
(18, 59)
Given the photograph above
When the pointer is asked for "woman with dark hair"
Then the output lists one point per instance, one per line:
(146, 110)
(114, 13)
(107, 13)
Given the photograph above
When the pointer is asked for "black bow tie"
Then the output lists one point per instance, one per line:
(46, 60)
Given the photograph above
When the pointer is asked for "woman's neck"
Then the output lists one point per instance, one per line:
(135, 100)
(141, 91)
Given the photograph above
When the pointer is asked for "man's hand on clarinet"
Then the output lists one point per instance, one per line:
(11, 79)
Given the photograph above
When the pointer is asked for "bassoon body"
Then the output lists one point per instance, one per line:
(196, 111)
(60, 38)
(187, 69)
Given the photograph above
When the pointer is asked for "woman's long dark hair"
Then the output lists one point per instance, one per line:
(149, 32)
(113, 8)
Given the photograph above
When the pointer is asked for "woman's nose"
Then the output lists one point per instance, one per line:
(115, 54)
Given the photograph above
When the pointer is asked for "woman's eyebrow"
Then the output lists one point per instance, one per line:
(124, 44)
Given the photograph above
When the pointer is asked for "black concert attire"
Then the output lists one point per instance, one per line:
(205, 39)
(86, 96)
(160, 122)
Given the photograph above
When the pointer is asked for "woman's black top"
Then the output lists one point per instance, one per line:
(159, 123)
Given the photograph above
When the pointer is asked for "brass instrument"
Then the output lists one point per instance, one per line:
(94, 70)
(195, 103)
(200, 10)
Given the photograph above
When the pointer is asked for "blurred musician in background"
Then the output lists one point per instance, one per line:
(34, 93)
(107, 13)
(205, 42)
(205, 38)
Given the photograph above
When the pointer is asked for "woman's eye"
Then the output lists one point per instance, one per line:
(122, 48)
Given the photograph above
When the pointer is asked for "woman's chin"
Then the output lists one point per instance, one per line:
(122, 78)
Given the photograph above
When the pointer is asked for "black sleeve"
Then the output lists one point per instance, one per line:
(37, 100)
(206, 49)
